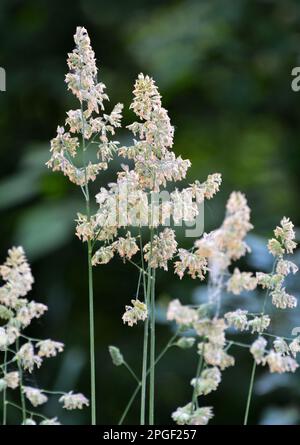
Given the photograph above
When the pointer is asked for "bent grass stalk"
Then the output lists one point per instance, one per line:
(132, 399)
(31, 413)
(152, 352)
(250, 392)
(198, 372)
(139, 386)
(151, 300)
(252, 378)
(23, 402)
(145, 342)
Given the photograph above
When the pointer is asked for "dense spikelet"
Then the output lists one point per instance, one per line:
(138, 311)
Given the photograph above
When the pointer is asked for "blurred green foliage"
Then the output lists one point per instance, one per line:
(224, 69)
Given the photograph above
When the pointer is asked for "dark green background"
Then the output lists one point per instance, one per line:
(224, 70)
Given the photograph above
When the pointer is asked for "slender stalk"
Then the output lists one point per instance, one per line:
(132, 372)
(276, 336)
(139, 268)
(55, 393)
(250, 392)
(268, 291)
(90, 279)
(145, 343)
(138, 286)
(254, 362)
(128, 406)
(152, 351)
(168, 345)
(144, 371)
(237, 343)
(9, 361)
(135, 393)
(151, 301)
(23, 402)
(91, 313)
(92, 335)
(4, 391)
(31, 413)
(198, 372)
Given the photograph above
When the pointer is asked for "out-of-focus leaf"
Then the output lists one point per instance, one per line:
(270, 382)
(259, 258)
(25, 184)
(280, 416)
(190, 29)
(161, 309)
(73, 361)
(200, 294)
(36, 156)
(18, 188)
(46, 227)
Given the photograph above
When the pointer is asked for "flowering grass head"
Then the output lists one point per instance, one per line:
(135, 220)
(21, 353)
(214, 254)
(87, 125)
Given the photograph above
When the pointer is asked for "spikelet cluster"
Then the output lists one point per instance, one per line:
(214, 253)
(87, 125)
(23, 354)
